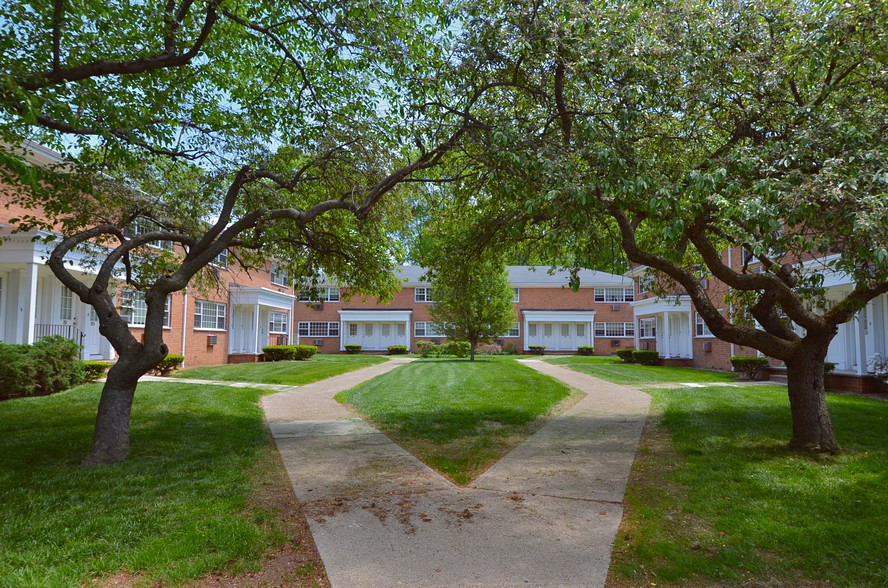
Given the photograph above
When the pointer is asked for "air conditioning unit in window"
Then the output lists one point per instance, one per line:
(707, 346)
(615, 342)
(615, 307)
(317, 342)
(704, 283)
(319, 306)
(212, 340)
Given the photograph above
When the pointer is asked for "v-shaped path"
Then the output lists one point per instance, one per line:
(545, 515)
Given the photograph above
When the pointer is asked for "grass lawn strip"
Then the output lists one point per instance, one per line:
(716, 499)
(293, 373)
(457, 416)
(181, 507)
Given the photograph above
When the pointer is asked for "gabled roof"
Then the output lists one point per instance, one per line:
(529, 276)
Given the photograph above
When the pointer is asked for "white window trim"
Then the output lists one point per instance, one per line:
(306, 326)
(516, 295)
(271, 321)
(216, 305)
(138, 296)
(427, 326)
(426, 293)
(650, 321)
(276, 272)
(508, 335)
(604, 326)
(698, 323)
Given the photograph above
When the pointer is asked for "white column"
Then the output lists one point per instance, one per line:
(637, 322)
(256, 348)
(407, 334)
(27, 304)
(860, 331)
(691, 332)
(668, 338)
(526, 334)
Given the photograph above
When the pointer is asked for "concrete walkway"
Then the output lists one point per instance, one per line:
(545, 515)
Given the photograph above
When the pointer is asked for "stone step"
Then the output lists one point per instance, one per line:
(779, 378)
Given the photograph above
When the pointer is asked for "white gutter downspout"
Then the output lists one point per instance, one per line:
(184, 323)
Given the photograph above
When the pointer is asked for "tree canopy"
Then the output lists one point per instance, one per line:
(681, 129)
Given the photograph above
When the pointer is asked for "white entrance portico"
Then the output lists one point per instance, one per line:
(673, 324)
(375, 330)
(257, 319)
(558, 330)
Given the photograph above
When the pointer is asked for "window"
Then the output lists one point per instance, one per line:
(614, 329)
(134, 310)
(647, 328)
(66, 310)
(614, 295)
(402, 330)
(581, 330)
(645, 284)
(513, 332)
(565, 329)
(386, 330)
(353, 329)
(532, 330)
(547, 330)
(324, 295)
(318, 329)
(368, 329)
(221, 260)
(140, 226)
(427, 329)
(279, 276)
(516, 295)
(209, 315)
(702, 327)
(277, 322)
(423, 295)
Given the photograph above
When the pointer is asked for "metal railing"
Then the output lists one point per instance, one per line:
(66, 331)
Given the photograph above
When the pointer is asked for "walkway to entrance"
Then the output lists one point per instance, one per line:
(545, 515)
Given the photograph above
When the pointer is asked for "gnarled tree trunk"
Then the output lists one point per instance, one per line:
(811, 425)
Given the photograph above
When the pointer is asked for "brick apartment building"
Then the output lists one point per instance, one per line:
(547, 313)
(671, 325)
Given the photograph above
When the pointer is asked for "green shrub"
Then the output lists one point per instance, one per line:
(537, 349)
(46, 367)
(828, 366)
(397, 349)
(625, 355)
(168, 365)
(428, 349)
(303, 351)
(93, 370)
(645, 357)
(510, 349)
(456, 348)
(585, 350)
(276, 352)
(353, 348)
(748, 365)
(288, 352)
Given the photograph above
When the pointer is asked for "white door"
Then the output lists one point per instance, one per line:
(92, 342)
(387, 335)
(369, 336)
(548, 335)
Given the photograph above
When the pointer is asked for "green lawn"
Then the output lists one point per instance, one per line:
(458, 416)
(294, 373)
(613, 370)
(716, 499)
(176, 510)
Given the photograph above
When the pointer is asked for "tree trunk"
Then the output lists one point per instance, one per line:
(811, 425)
(472, 351)
(111, 436)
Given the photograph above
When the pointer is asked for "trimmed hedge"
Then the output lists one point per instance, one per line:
(748, 365)
(397, 349)
(645, 357)
(585, 350)
(537, 349)
(625, 355)
(828, 366)
(168, 365)
(48, 366)
(453, 348)
(288, 352)
(93, 370)
(353, 348)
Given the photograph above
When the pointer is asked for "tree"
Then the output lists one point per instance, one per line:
(473, 299)
(686, 128)
(262, 129)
